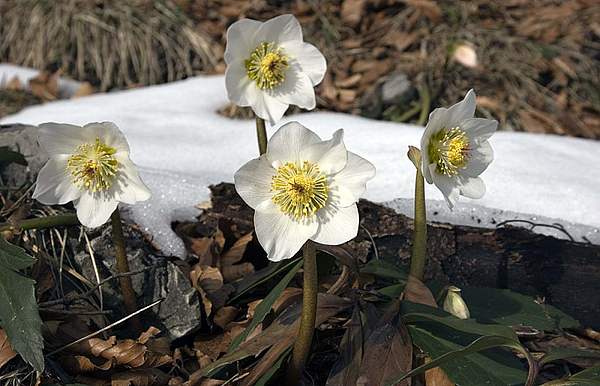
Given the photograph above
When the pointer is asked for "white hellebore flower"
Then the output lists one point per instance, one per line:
(90, 166)
(303, 189)
(455, 150)
(455, 304)
(269, 67)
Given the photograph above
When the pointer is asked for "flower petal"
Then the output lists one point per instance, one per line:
(253, 182)
(280, 29)
(130, 187)
(109, 134)
(54, 185)
(351, 182)
(472, 187)
(309, 58)
(287, 143)
(241, 39)
(448, 186)
(241, 90)
(296, 89)
(281, 236)
(62, 138)
(461, 111)
(479, 159)
(94, 209)
(267, 107)
(330, 155)
(337, 225)
(479, 129)
(437, 119)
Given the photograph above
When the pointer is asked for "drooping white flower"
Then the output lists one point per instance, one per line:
(303, 189)
(90, 166)
(269, 67)
(455, 150)
(455, 304)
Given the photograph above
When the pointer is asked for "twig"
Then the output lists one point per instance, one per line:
(534, 225)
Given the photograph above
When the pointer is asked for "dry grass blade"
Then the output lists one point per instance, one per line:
(6, 351)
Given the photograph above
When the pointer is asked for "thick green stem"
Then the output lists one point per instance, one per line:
(419, 242)
(309, 315)
(261, 135)
(41, 222)
(123, 267)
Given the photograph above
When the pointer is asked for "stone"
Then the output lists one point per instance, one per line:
(22, 139)
(397, 89)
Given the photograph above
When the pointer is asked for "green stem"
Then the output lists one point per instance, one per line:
(41, 222)
(419, 242)
(308, 318)
(123, 268)
(261, 135)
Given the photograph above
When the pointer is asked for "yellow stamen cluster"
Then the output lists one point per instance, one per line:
(449, 150)
(266, 66)
(93, 166)
(299, 190)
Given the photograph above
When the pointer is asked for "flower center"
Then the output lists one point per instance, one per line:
(449, 150)
(266, 66)
(93, 166)
(299, 191)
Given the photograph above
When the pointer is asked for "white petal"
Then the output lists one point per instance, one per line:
(437, 119)
(241, 39)
(349, 184)
(479, 129)
(241, 90)
(130, 187)
(472, 187)
(287, 142)
(479, 159)
(109, 134)
(337, 225)
(54, 184)
(309, 58)
(94, 209)
(296, 89)
(461, 111)
(281, 236)
(448, 186)
(62, 138)
(330, 155)
(280, 29)
(253, 182)
(267, 107)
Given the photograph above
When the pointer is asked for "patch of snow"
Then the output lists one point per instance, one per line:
(66, 87)
(182, 145)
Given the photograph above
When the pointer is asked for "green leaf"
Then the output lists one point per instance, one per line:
(7, 156)
(260, 277)
(264, 307)
(384, 269)
(392, 291)
(587, 377)
(558, 353)
(491, 305)
(276, 366)
(465, 365)
(414, 313)
(19, 315)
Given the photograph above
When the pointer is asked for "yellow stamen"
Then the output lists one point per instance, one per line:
(93, 166)
(299, 190)
(449, 150)
(266, 66)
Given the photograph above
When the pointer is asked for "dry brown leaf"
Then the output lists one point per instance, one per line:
(79, 364)
(84, 90)
(224, 316)
(6, 351)
(417, 292)
(352, 12)
(289, 296)
(237, 271)
(140, 377)
(236, 252)
(436, 377)
(14, 84)
(45, 85)
(429, 8)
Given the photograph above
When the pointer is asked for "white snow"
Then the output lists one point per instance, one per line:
(66, 87)
(182, 145)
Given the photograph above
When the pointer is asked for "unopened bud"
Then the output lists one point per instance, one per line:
(455, 305)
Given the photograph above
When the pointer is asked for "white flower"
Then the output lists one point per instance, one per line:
(90, 166)
(455, 150)
(303, 188)
(269, 67)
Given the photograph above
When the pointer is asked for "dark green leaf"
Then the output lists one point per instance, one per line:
(276, 366)
(19, 315)
(259, 277)
(558, 353)
(7, 156)
(587, 377)
(264, 307)
(491, 305)
(384, 269)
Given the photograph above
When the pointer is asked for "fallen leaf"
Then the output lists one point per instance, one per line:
(236, 252)
(84, 90)
(225, 315)
(352, 12)
(6, 352)
(14, 84)
(417, 292)
(45, 85)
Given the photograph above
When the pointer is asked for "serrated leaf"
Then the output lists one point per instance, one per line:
(19, 315)
(491, 305)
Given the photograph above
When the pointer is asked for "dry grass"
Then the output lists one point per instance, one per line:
(113, 44)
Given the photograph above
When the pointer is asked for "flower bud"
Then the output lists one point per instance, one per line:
(454, 303)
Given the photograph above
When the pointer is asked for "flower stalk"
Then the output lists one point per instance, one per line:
(123, 267)
(419, 241)
(261, 135)
(41, 223)
(308, 318)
